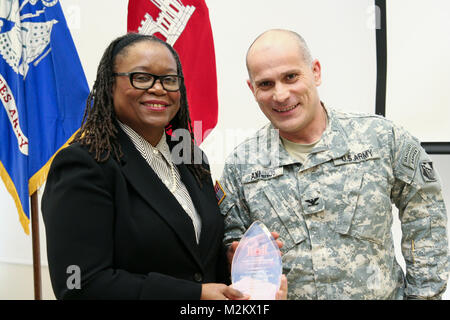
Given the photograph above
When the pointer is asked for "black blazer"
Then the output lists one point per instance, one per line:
(125, 231)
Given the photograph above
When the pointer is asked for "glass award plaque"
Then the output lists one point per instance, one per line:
(256, 267)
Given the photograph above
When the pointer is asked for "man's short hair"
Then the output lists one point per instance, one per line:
(306, 53)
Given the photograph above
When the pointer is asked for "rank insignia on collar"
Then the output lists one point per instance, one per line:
(220, 193)
(312, 202)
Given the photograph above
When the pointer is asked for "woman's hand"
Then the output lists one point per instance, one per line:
(219, 291)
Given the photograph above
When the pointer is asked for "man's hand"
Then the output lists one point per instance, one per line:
(282, 292)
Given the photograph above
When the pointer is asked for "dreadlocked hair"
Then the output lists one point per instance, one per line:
(99, 126)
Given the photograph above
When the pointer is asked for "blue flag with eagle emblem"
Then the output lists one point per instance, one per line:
(43, 93)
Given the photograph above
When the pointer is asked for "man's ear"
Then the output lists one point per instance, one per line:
(317, 71)
(250, 85)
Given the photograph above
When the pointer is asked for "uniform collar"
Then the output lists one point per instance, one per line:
(333, 144)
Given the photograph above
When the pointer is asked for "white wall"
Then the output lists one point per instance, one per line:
(418, 67)
(339, 33)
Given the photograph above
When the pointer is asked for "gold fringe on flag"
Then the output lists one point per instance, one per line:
(35, 182)
(38, 179)
(13, 192)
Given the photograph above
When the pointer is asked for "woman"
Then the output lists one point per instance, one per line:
(116, 207)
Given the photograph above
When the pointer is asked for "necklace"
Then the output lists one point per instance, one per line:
(174, 180)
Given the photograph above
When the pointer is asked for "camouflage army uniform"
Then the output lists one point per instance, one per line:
(333, 213)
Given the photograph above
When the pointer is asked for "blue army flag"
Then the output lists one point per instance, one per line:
(43, 92)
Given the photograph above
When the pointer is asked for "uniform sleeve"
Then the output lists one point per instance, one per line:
(233, 206)
(418, 196)
(78, 212)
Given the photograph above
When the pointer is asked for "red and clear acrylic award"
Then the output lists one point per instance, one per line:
(256, 267)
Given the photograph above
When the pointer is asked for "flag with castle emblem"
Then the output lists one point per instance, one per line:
(186, 26)
(43, 91)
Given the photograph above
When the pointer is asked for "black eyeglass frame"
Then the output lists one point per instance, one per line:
(155, 77)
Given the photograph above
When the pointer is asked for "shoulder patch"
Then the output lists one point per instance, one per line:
(220, 193)
(427, 170)
(410, 156)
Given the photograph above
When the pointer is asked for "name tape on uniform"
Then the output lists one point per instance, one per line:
(353, 157)
(263, 174)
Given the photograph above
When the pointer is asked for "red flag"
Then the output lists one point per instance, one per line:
(185, 25)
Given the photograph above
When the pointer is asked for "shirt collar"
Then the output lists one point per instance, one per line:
(140, 143)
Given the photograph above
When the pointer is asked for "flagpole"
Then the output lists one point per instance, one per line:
(36, 247)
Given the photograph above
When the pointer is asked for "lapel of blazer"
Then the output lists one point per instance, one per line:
(205, 208)
(153, 190)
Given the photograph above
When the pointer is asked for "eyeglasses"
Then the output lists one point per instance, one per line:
(145, 81)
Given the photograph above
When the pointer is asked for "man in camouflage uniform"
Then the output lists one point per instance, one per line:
(325, 180)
